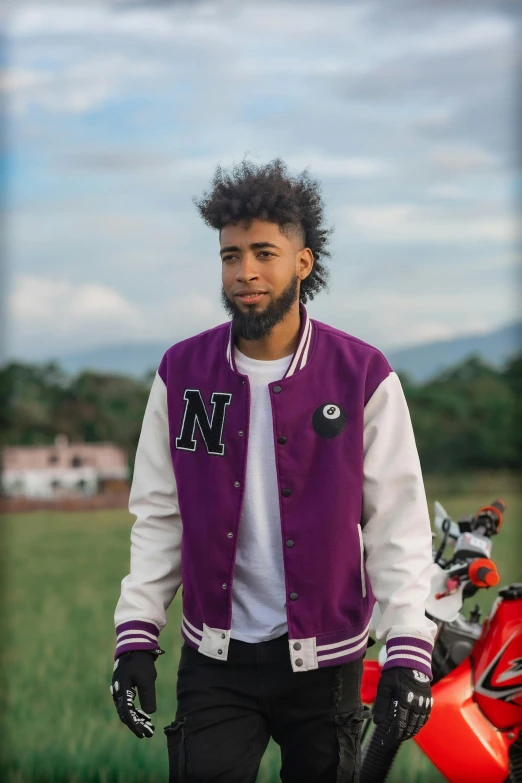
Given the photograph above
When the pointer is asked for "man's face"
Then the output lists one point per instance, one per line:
(258, 259)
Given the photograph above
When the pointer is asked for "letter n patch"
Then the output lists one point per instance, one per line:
(196, 413)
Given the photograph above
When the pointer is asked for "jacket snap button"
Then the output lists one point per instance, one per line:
(230, 535)
(294, 596)
(223, 636)
(281, 439)
(276, 389)
(299, 662)
(290, 543)
(220, 652)
(240, 432)
(297, 646)
(285, 493)
(224, 585)
(237, 484)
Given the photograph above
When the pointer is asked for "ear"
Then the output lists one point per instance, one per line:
(304, 263)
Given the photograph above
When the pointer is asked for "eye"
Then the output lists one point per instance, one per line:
(266, 253)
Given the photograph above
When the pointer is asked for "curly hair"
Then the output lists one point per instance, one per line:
(269, 192)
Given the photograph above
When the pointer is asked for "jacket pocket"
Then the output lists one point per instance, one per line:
(361, 551)
(179, 766)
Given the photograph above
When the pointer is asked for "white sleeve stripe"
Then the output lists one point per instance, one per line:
(136, 631)
(193, 627)
(346, 641)
(416, 650)
(409, 658)
(348, 651)
(190, 636)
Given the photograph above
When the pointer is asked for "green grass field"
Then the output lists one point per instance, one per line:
(62, 575)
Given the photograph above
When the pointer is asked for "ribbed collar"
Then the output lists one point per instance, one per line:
(300, 356)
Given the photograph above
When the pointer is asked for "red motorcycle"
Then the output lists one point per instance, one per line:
(474, 733)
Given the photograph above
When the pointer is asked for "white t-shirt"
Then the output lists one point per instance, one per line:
(258, 591)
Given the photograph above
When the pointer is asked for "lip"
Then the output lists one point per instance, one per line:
(251, 298)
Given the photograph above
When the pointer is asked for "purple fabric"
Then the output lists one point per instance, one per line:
(410, 641)
(324, 476)
(144, 643)
(137, 625)
(135, 646)
(348, 656)
(422, 654)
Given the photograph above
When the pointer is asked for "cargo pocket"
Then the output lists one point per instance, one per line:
(348, 727)
(179, 762)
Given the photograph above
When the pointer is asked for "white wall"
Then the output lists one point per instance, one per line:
(49, 483)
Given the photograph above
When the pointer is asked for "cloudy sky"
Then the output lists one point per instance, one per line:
(117, 114)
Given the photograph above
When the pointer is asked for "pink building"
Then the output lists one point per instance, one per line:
(63, 469)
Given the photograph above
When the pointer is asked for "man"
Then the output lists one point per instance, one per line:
(277, 478)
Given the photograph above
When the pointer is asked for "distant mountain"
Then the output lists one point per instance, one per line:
(420, 361)
(424, 361)
(133, 359)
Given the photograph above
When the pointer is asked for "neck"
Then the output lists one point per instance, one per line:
(281, 342)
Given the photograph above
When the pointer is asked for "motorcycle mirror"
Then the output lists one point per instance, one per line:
(440, 517)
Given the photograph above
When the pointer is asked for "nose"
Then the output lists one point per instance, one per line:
(247, 269)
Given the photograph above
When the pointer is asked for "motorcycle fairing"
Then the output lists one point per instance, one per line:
(458, 738)
(502, 679)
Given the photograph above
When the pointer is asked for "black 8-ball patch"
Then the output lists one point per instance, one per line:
(329, 420)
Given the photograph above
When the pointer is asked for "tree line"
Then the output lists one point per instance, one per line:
(466, 418)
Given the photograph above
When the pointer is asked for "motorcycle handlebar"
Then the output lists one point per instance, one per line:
(493, 513)
(482, 572)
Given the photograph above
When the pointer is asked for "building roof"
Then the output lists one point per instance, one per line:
(105, 457)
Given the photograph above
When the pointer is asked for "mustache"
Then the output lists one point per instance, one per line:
(252, 325)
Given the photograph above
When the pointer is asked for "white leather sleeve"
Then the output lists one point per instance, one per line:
(155, 554)
(396, 528)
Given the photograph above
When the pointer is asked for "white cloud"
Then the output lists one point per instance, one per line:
(57, 308)
(78, 87)
(203, 21)
(411, 223)
(481, 32)
(343, 166)
(449, 192)
(434, 119)
(19, 79)
(190, 313)
(390, 318)
(171, 168)
(103, 227)
(34, 21)
(48, 316)
(463, 159)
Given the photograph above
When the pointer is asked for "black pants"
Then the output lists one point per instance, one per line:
(228, 710)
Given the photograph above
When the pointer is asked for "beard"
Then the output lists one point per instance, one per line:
(251, 325)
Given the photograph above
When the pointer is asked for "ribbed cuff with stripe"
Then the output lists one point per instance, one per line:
(136, 635)
(410, 652)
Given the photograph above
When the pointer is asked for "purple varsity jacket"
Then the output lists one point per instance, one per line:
(355, 525)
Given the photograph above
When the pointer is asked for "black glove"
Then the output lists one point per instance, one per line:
(135, 669)
(403, 703)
